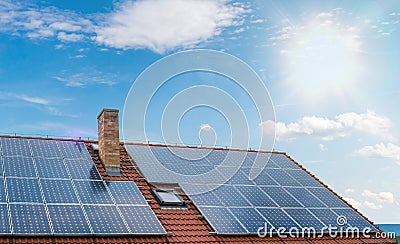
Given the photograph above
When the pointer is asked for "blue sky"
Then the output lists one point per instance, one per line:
(331, 69)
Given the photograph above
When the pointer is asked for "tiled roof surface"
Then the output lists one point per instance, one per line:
(182, 226)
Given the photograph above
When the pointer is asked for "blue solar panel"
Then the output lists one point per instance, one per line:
(45, 148)
(126, 192)
(82, 169)
(93, 192)
(19, 167)
(304, 218)
(278, 219)
(354, 219)
(51, 168)
(4, 221)
(229, 196)
(15, 147)
(303, 178)
(280, 196)
(249, 218)
(206, 199)
(240, 179)
(2, 191)
(304, 197)
(327, 197)
(58, 191)
(71, 149)
(256, 196)
(282, 177)
(105, 219)
(329, 218)
(263, 179)
(23, 190)
(68, 219)
(141, 220)
(222, 220)
(282, 161)
(216, 157)
(29, 219)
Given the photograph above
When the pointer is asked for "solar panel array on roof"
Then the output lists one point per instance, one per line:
(282, 195)
(50, 187)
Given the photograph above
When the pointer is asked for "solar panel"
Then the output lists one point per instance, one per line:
(68, 219)
(58, 191)
(206, 199)
(92, 192)
(303, 178)
(82, 169)
(23, 190)
(280, 196)
(249, 218)
(71, 149)
(2, 191)
(329, 218)
(327, 197)
(126, 192)
(240, 179)
(4, 220)
(283, 162)
(304, 197)
(29, 219)
(45, 148)
(141, 220)
(304, 218)
(222, 220)
(105, 219)
(229, 196)
(282, 177)
(256, 196)
(19, 167)
(354, 219)
(278, 219)
(263, 179)
(51, 168)
(15, 147)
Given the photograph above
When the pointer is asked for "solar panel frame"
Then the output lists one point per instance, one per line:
(28, 219)
(68, 220)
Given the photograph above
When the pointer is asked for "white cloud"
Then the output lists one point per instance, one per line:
(162, 25)
(328, 129)
(353, 202)
(385, 197)
(24, 97)
(87, 78)
(350, 190)
(72, 37)
(322, 147)
(381, 150)
(206, 127)
(372, 205)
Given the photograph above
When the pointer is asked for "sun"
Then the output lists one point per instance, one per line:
(322, 60)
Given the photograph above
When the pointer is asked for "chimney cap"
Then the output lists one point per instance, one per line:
(107, 110)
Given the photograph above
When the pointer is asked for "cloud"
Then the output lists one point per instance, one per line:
(62, 36)
(25, 98)
(328, 129)
(372, 205)
(350, 190)
(206, 127)
(162, 25)
(353, 202)
(385, 197)
(84, 79)
(322, 147)
(381, 150)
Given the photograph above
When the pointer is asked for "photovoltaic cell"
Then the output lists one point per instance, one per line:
(249, 218)
(29, 219)
(58, 191)
(82, 169)
(105, 219)
(15, 147)
(256, 196)
(92, 192)
(51, 168)
(4, 222)
(71, 149)
(328, 217)
(206, 199)
(263, 179)
(229, 196)
(222, 220)
(354, 219)
(23, 190)
(282, 177)
(282, 161)
(44, 148)
(278, 219)
(303, 178)
(304, 197)
(19, 167)
(327, 197)
(280, 196)
(126, 192)
(304, 218)
(68, 219)
(141, 220)
(2, 191)
(240, 179)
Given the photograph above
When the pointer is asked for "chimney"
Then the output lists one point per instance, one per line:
(108, 133)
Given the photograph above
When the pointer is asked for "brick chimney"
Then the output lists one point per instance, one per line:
(108, 133)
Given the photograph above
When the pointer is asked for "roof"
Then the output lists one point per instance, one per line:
(181, 226)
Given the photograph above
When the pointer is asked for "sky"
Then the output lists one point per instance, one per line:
(331, 69)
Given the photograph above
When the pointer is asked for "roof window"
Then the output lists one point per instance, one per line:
(168, 198)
